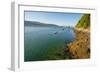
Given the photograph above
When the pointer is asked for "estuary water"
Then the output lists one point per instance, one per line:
(46, 43)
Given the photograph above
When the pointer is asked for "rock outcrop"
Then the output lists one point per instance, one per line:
(80, 48)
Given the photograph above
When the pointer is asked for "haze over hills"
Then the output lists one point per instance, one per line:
(39, 24)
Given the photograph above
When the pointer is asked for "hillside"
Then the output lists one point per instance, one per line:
(38, 24)
(84, 22)
(80, 47)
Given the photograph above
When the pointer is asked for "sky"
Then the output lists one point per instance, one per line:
(58, 18)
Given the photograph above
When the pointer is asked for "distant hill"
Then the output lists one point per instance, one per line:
(38, 24)
(84, 22)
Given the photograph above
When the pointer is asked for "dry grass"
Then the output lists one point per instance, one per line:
(80, 48)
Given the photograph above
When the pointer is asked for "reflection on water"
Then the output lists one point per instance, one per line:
(46, 43)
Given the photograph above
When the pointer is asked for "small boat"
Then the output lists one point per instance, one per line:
(56, 33)
(63, 28)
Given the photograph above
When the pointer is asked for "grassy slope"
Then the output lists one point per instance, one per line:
(84, 22)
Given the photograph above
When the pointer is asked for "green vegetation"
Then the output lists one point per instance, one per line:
(84, 22)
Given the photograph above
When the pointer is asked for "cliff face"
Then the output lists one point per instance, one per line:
(84, 22)
(80, 48)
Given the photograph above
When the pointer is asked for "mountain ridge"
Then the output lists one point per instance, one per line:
(35, 23)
